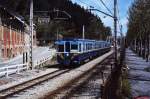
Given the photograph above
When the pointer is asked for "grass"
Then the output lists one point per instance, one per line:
(126, 88)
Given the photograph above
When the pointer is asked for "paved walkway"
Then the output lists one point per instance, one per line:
(38, 54)
(139, 74)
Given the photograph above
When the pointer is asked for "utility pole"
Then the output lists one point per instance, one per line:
(115, 30)
(121, 32)
(57, 34)
(148, 48)
(31, 33)
(83, 32)
(0, 51)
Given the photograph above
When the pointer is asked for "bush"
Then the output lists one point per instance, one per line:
(126, 88)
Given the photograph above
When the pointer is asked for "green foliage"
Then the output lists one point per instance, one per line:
(126, 88)
(139, 20)
(138, 35)
(94, 28)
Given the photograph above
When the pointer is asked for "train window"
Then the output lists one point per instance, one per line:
(101, 45)
(80, 47)
(74, 46)
(89, 46)
(86, 46)
(60, 48)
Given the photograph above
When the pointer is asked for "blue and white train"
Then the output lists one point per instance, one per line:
(76, 51)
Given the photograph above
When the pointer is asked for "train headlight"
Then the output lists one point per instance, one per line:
(67, 54)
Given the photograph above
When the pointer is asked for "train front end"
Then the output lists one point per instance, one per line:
(65, 51)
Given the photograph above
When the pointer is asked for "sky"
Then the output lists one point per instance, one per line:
(123, 6)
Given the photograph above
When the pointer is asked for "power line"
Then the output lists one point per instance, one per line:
(118, 19)
(98, 4)
(106, 7)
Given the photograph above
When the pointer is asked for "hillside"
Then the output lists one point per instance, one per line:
(94, 27)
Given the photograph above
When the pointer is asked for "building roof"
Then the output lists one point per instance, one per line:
(16, 15)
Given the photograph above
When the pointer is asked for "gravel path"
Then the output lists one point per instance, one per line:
(139, 77)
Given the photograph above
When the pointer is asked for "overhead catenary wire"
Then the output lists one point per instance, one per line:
(97, 4)
(118, 19)
(88, 5)
(106, 7)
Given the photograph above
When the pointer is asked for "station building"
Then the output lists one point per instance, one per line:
(14, 34)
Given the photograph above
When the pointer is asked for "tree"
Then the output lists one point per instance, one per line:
(94, 27)
(138, 35)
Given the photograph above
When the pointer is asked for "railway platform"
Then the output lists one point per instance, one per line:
(139, 74)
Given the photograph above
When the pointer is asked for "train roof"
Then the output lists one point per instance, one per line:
(77, 40)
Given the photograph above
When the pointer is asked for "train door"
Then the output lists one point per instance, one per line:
(79, 47)
(67, 46)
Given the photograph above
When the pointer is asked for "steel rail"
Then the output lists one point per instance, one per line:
(30, 83)
(85, 76)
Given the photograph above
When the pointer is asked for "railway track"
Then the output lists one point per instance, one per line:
(54, 82)
(8, 92)
(88, 86)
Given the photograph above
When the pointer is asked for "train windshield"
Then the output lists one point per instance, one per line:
(60, 48)
(74, 46)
